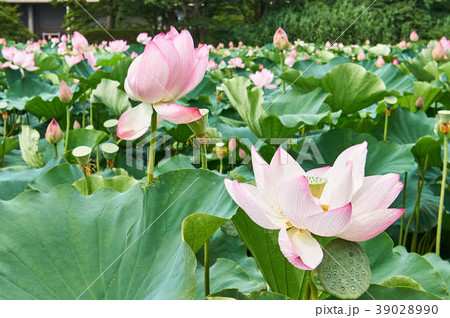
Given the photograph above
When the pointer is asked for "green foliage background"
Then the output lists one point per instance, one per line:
(11, 27)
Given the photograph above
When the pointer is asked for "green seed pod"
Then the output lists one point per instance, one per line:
(111, 125)
(82, 154)
(199, 127)
(344, 271)
(109, 150)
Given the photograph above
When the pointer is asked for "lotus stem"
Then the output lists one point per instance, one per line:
(152, 148)
(441, 200)
(416, 207)
(83, 121)
(221, 166)
(282, 68)
(66, 145)
(5, 117)
(97, 158)
(420, 184)
(86, 182)
(402, 219)
(91, 114)
(206, 245)
(203, 156)
(386, 117)
(55, 147)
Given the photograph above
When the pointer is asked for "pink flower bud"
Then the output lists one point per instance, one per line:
(419, 103)
(361, 56)
(413, 36)
(54, 134)
(396, 62)
(65, 93)
(242, 154)
(232, 145)
(76, 125)
(367, 42)
(280, 39)
(379, 63)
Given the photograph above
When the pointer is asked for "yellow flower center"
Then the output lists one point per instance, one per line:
(316, 185)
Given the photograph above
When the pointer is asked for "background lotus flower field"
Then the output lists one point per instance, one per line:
(89, 211)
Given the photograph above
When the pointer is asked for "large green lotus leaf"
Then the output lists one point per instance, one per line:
(48, 109)
(379, 292)
(227, 274)
(29, 146)
(248, 103)
(386, 262)
(109, 59)
(425, 90)
(197, 228)
(405, 127)
(228, 131)
(382, 156)
(442, 266)
(293, 108)
(14, 179)
(120, 70)
(60, 174)
(395, 79)
(281, 276)
(418, 63)
(10, 144)
(56, 245)
(86, 137)
(28, 87)
(95, 183)
(108, 94)
(82, 70)
(352, 88)
(235, 294)
(45, 62)
(427, 150)
(173, 163)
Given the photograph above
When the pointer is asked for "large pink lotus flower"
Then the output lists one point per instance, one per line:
(263, 79)
(330, 201)
(168, 69)
(18, 59)
(117, 46)
(442, 50)
(79, 42)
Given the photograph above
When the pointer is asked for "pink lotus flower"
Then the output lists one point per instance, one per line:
(231, 44)
(396, 62)
(442, 50)
(168, 69)
(263, 79)
(236, 62)
(379, 63)
(79, 42)
(327, 45)
(18, 59)
(367, 42)
(62, 48)
(220, 46)
(117, 46)
(305, 57)
(143, 38)
(212, 65)
(250, 53)
(2, 41)
(289, 60)
(134, 55)
(414, 36)
(330, 201)
(361, 56)
(402, 45)
(33, 47)
(232, 145)
(54, 134)
(64, 38)
(294, 53)
(242, 154)
(280, 39)
(240, 43)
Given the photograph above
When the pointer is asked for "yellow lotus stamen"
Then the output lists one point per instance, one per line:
(325, 208)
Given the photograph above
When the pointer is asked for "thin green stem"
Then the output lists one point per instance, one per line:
(55, 147)
(203, 156)
(86, 182)
(4, 141)
(402, 219)
(413, 214)
(83, 122)
(420, 183)
(441, 200)
(152, 149)
(98, 159)
(282, 69)
(386, 117)
(91, 114)
(67, 128)
(206, 264)
(221, 166)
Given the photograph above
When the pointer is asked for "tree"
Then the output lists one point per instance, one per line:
(11, 27)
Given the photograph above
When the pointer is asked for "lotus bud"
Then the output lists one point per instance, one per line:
(111, 125)
(414, 36)
(367, 42)
(199, 126)
(54, 134)
(220, 150)
(76, 125)
(65, 93)
(82, 154)
(280, 39)
(232, 145)
(443, 121)
(242, 153)
(396, 62)
(419, 103)
(379, 63)
(361, 56)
